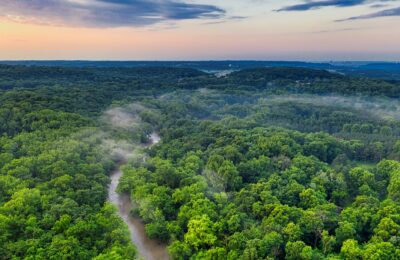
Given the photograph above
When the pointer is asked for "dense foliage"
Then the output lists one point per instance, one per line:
(300, 80)
(236, 188)
(252, 194)
(53, 185)
(282, 163)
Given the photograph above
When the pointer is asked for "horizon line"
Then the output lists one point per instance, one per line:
(199, 60)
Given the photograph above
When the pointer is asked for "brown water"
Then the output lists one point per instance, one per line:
(148, 249)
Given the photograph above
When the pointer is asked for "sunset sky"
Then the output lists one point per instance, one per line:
(200, 29)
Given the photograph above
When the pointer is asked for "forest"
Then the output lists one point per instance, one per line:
(262, 163)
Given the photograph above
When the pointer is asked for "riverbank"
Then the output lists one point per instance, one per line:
(148, 249)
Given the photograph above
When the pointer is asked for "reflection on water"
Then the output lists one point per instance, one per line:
(149, 249)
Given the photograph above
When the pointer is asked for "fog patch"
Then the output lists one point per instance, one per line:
(383, 108)
(124, 117)
(121, 150)
(219, 73)
(204, 91)
(124, 134)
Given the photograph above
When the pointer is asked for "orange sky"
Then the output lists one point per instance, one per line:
(264, 35)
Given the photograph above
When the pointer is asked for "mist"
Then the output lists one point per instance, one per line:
(383, 108)
(121, 132)
(126, 117)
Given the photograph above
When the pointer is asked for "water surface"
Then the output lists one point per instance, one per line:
(148, 249)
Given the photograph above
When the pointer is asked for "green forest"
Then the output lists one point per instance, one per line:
(268, 163)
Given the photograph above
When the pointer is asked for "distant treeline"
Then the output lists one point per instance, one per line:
(384, 70)
(273, 80)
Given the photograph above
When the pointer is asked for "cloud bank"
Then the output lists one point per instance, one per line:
(384, 13)
(309, 5)
(316, 4)
(105, 13)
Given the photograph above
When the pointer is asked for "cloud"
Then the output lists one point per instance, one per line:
(309, 5)
(227, 19)
(316, 4)
(337, 30)
(384, 13)
(105, 13)
(378, 5)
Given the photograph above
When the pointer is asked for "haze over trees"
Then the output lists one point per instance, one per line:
(277, 163)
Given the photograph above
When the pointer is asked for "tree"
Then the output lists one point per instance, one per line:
(292, 232)
(273, 243)
(298, 250)
(386, 230)
(200, 232)
(327, 242)
(217, 253)
(394, 186)
(351, 250)
(380, 250)
(222, 174)
(179, 250)
(309, 198)
(345, 231)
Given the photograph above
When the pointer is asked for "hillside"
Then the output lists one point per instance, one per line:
(267, 163)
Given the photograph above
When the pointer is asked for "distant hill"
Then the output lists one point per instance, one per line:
(290, 73)
(316, 81)
(270, 79)
(383, 70)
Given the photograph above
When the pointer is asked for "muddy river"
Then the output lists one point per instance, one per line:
(148, 249)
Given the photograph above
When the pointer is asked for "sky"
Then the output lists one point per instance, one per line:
(311, 30)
